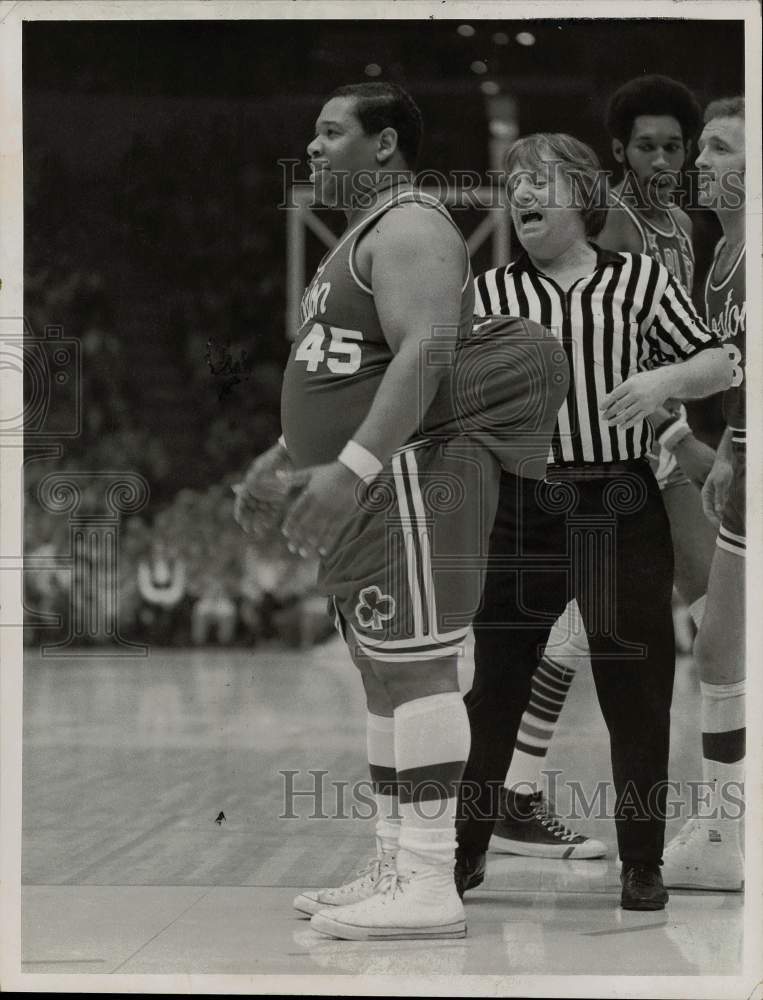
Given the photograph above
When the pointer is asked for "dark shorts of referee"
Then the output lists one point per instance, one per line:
(599, 534)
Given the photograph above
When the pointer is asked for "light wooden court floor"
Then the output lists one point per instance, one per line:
(129, 763)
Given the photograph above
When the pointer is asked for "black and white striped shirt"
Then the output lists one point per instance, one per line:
(627, 316)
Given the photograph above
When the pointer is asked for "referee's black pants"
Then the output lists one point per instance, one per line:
(603, 539)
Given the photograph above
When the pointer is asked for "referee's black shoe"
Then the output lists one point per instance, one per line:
(469, 871)
(642, 887)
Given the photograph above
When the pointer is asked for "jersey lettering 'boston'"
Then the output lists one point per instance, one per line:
(730, 322)
(314, 300)
(726, 308)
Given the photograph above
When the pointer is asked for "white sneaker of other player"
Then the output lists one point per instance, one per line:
(416, 904)
(359, 888)
(685, 833)
(704, 857)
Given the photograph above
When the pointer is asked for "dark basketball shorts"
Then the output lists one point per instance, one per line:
(406, 578)
(731, 535)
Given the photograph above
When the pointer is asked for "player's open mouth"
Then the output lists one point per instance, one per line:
(527, 217)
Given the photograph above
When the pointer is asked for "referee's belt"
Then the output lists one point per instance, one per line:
(593, 470)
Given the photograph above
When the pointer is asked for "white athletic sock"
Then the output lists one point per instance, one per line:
(566, 649)
(431, 748)
(380, 740)
(723, 750)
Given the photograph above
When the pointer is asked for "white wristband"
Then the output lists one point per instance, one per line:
(674, 434)
(282, 442)
(360, 461)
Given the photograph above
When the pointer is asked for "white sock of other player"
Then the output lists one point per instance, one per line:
(566, 648)
(380, 740)
(723, 752)
(431, 748)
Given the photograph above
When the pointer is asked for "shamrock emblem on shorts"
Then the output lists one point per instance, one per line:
(373, 608)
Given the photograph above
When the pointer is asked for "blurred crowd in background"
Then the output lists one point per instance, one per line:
(185, 577)
(155, 399)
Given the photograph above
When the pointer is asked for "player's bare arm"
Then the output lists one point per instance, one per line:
(716, 488)
(416, 268)
(417, 264)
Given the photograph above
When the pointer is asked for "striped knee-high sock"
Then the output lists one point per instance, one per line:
(566, 648)
(431, 748)
(723, 751)
(380, 740)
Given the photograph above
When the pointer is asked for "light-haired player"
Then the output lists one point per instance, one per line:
(706, 853)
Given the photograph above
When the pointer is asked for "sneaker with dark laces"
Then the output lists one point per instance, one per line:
(529, 826)
(642, 887)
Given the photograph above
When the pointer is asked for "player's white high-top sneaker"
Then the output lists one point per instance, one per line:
(413, 904)
(704, 856)
(685, 833)
(359, 888)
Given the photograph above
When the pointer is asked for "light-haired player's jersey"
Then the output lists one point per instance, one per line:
(340, 354)
(726, 311)
(672, 247)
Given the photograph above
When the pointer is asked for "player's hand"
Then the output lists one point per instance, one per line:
(265, 478)
(716, 489)
(635, 398)
(259, 518)
(261, 497)
(329, 496)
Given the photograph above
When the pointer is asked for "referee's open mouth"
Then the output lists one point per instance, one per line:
(528, 218)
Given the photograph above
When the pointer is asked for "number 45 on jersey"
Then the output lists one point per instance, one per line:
(338, 348)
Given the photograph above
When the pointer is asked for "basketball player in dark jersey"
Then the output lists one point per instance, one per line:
(652, 121)
(393, 494)
(706, 853)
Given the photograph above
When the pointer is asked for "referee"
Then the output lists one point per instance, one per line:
(596, 529)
